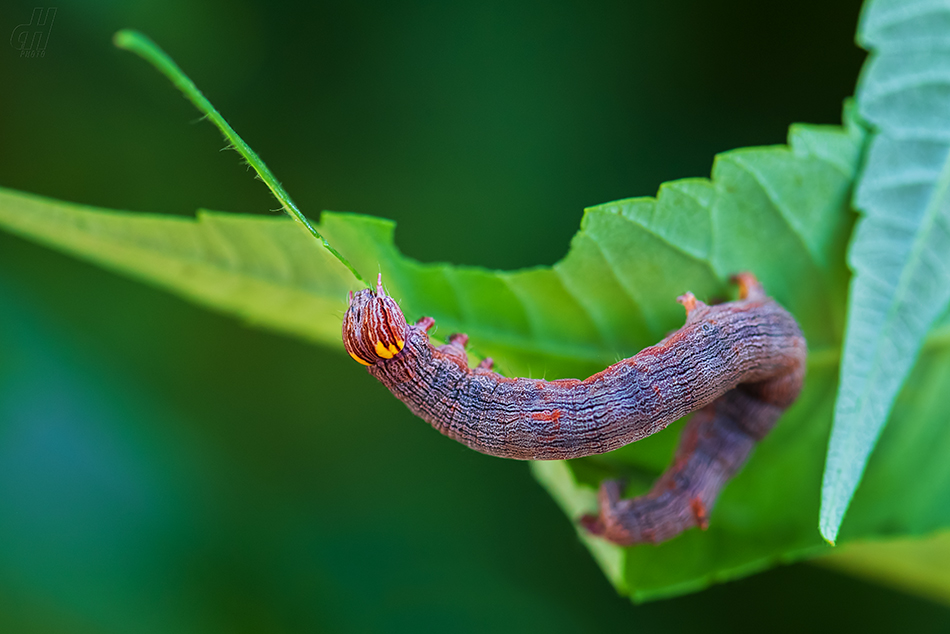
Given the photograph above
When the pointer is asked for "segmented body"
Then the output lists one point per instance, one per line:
(741, 363)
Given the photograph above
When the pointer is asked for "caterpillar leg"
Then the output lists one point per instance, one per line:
(712, 449)
(455, 349)
(486, 364)
(689, 302)
(459, 339)
(425, 323)
(749, 286)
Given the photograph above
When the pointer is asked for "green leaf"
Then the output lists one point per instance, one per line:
(781, 212)
(900, 249)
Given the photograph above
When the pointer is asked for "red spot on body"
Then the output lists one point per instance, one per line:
(699, 512)
(553, 416)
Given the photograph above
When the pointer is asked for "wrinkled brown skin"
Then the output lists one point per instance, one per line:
(740, 364)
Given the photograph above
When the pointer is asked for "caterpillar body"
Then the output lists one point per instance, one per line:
(740, 364)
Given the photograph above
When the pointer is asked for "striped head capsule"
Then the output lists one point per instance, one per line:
(374, 328)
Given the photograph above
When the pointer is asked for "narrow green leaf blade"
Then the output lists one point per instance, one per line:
(900, 253)
(148, 50)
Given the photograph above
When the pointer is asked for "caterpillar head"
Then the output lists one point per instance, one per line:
(374, 327)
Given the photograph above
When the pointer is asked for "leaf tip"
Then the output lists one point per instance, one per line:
(828, 526)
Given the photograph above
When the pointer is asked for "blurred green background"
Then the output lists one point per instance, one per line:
(164, 469)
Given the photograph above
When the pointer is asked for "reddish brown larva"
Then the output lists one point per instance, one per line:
(740, 363)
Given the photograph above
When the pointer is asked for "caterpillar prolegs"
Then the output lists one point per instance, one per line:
(740, 363)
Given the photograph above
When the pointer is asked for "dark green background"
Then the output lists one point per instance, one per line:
(167, 469)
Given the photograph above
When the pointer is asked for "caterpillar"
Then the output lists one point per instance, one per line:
(739, 363)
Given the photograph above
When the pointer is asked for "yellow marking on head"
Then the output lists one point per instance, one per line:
(394, 349)
(382, 351)
(400, 344)
(358, 360)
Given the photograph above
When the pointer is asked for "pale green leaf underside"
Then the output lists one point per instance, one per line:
(900, 253)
